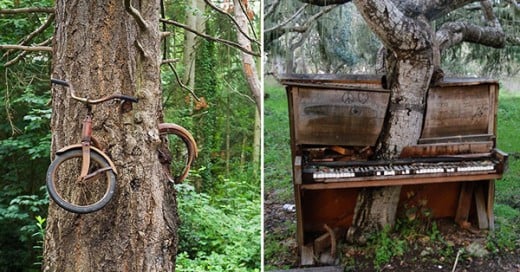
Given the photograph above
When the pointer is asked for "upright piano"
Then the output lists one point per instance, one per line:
(335, 124)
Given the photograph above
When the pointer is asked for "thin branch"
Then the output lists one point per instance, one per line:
(8, 110)
(23, 53)
(280, 25)
(183, 86)
(244, 10)
(136, 14)
(270, 36)
(27, 10)
(208, 37)
(271, 8)
(26, 48)
(219, 10)
(239, 93)
(487, 9)
(33, 34)
(167, 61)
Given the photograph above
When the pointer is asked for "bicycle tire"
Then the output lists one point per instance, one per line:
(189, 142)
(66, 204)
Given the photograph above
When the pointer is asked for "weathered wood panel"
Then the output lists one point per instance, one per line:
(459, 110)
(352, 117)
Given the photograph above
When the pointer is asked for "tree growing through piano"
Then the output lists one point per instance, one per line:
(414, 38)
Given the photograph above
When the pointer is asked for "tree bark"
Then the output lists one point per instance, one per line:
(195, 21)
(250, 71)
(101, 49)
(409, 69)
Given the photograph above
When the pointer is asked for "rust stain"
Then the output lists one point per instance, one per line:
(248, 70)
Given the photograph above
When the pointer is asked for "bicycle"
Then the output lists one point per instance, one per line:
(96, 173)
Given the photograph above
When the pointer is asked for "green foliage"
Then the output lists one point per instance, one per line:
(386, 246)
(40, 237)
(218, 234)
(24, 152)
(506, 237)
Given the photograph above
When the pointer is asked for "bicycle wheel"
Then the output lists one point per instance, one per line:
(182, 151)
(80, 195)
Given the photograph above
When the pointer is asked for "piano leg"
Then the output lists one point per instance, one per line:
(465, 197)
(491, 204)
(480, 201)
(483, 204)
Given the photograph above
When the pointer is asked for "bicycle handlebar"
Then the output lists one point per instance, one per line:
(93, 101)
(60, 82)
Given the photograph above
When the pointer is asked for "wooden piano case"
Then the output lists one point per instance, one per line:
(349, 111)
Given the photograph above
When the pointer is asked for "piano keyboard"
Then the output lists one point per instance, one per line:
(325, 172)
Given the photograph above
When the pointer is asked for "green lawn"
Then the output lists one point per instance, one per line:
(277, 155)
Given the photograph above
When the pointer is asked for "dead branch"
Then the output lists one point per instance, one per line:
(26, 48)
(27, 10)
(136, 14)
(208, 37)
(219, 10)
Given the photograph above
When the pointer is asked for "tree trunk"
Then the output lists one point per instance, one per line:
(101, 49)
(249, 67)
(409, 70)
(195, 21)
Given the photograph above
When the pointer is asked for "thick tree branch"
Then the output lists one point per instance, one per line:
(411, 8)
(27, 10)
(453, 33)
(219, 10)
(208, 37)
(429, 9)
(397, 31)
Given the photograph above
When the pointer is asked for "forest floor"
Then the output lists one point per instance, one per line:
(420, 253)
(409, 247)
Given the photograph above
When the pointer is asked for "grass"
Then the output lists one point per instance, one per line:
(277, 181)
(277, 157)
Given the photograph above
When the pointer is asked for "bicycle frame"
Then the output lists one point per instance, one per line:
(86, 133)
